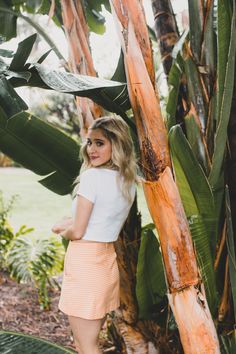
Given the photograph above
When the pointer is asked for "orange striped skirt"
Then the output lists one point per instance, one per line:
(91, 284)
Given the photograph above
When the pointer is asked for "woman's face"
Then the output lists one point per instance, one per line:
(98, 148)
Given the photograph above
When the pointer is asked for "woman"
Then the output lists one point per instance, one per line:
(104, 196)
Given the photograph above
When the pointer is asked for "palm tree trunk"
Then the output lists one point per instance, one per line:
(198, 333)
(166, 30)
(81, 62)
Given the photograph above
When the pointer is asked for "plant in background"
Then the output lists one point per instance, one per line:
(28, 259)
(60, 110)
(32, 260)
(6, 231)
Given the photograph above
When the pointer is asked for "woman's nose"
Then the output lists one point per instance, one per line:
(92, 148)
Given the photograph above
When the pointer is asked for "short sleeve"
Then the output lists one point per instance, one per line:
(87, 185)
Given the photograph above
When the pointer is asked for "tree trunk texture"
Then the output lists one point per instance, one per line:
(166, 31)
(140, 337)
(160, 190)
(80, 62)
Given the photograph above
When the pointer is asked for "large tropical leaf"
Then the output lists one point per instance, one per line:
(31, 259)
(196, 139)
(196, 20)
(195, 88)
(231, 250)
(228, 343)
(19, 343)
(150, 287)
(10, 101)
(110, 94)
(41, 148)
(103, 92)
(23, 51)
(173, 83)
(199, 207)
(225, 83)
(7, 21)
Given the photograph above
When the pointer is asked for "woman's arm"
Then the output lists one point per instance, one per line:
(77, 228)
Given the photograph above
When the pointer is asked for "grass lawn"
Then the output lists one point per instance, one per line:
(37, 206)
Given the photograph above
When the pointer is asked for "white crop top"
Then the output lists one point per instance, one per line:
(110, 210)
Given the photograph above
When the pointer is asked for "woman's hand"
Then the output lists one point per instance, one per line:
(62, 225)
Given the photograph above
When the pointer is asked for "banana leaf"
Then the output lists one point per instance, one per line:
(197, 140)
(209, 41)
(10, 101)
(150, 286)
(195, 89)
(7, 21)
(43, 149)
(199, 207)
(228, 343)
(23, 51)
(173, 83)
(19, 343)
(196, 20)
(225, 82)
(110, 94)
(231, 250)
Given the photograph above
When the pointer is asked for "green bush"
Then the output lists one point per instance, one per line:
(29, 259)
(6, 231)
(36, 261)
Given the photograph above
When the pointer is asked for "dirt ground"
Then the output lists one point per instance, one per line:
(20, 312)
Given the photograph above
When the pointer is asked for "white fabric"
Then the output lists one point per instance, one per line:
(100, 186)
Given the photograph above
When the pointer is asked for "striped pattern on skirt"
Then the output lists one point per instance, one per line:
(91, 284)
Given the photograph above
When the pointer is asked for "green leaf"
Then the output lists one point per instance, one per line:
(196, 19)
(231, 249)
(225, 23)
(198, 203)
(6, 53)
(19, 343)
(225, 83)
(23, 51)
(41, 148)
(32, 259)
(194, 175)
(195, 89)
(209, 42)
(173, 83)
(228, 343)
(7, 22)
(10, 101)
(111, 95)
(150, 287)
(196, 140)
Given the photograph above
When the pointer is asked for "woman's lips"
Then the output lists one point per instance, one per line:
(93, 157)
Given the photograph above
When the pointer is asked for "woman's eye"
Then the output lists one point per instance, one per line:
(89, 143)
(99, 143)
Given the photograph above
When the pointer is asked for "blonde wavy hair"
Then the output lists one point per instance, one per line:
(123, 158)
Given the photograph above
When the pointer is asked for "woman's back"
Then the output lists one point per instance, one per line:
(103, 188)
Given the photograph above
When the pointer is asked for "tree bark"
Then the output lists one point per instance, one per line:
(161, 193)
(166, 31)
(81, 61)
